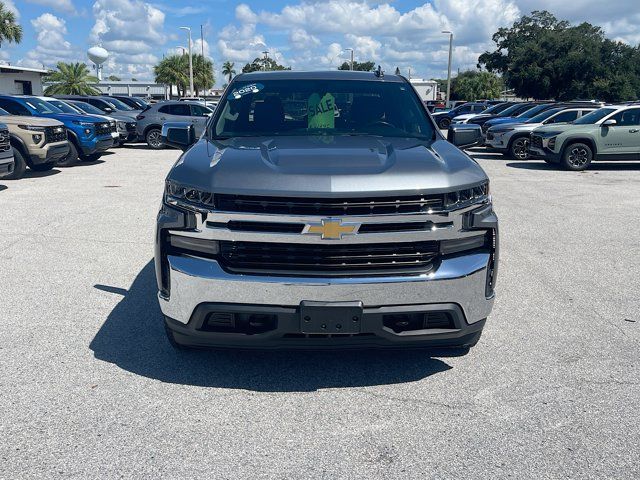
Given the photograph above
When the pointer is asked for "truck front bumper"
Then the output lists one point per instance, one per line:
(52, 152)
(201, 287)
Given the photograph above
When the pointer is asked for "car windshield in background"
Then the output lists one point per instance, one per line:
(62, 106)
(322, 107)
(497, 108)
(118, 105)
(3, 112)
(541, 117)
(41, 106)
(594, 116)
(88, 108)
(517, 108)
(532, 112)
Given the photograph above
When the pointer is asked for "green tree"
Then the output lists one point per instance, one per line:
(540, 56)
(10, 31)
(173, 70)
(476, 85)
(203, 78)
(357, 66)
(263, 63)
(71, 79)
(228, 71)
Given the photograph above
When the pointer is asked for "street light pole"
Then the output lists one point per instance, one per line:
(351, 64)
(449, 68)
(190, 62)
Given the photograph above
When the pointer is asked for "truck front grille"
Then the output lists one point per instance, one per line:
(55, 134)
(329, 260)
(4, 140)
(103, 128)
(329, 206)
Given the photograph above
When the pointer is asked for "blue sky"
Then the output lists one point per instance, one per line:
(305, 35)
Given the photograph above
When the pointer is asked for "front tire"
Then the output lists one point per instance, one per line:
(519, 148)
(577, 157)
(19, 166)
(71, 158)
(154, 139)
(444, 123)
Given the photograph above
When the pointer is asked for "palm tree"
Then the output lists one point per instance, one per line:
(71, 79)
(173, 70)
(10, 31)
(227, 70)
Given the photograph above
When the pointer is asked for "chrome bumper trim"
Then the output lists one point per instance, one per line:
(460, 280)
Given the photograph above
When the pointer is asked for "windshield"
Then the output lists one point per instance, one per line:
(532, 112)
(595, 116)
(515, 109)
(41, 106)
(117, 104)
(541, 117)
(322, 107)
(3, 112)
(499, 107)
(141, 104)
(64, 107)
(88, 108)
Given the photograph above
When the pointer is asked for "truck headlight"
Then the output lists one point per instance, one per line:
(187, 197)
(32, 128)
(467, 196)
(83, 124)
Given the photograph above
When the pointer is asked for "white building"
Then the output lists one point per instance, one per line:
(427, 89)
(21, 80)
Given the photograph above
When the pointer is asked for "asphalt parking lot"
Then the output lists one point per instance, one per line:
(90, 388)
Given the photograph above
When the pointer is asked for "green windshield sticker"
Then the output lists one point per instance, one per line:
(321, 111)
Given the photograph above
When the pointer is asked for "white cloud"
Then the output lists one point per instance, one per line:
(65, 6)
(132, 31)
(52, 47)
(9, 5)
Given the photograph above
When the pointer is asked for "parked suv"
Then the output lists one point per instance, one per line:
(136, 103)
(89, 136)
(107, 105)
(125, 127)
(149, 122)
(609, 133)
(513, 139)
(6, 152)
(38, 143)
(352, 223)
(444, 119)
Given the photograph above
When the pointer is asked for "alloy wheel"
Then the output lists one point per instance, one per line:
(578, 157)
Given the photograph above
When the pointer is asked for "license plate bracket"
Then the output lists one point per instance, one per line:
(330, 317)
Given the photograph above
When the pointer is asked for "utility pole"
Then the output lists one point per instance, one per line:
(190, 62)
(203, 70)
(449, 68)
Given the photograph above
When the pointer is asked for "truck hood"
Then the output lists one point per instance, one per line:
(22, 120)
(326, 166)
(503, 120)
(125, 116)
(71, 117)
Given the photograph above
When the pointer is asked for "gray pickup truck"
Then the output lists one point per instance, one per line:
(324, 209)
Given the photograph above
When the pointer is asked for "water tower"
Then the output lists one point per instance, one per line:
(98, 56)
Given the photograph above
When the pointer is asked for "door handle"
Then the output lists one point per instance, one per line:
(634, 130)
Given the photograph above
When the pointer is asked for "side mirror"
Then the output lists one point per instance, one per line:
(465, 135)
(609, 123)
(179, 135)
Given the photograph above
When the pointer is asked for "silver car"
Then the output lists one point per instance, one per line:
(512, 139)
(150, 121)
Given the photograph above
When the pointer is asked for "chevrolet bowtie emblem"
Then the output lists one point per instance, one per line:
(331, 229)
